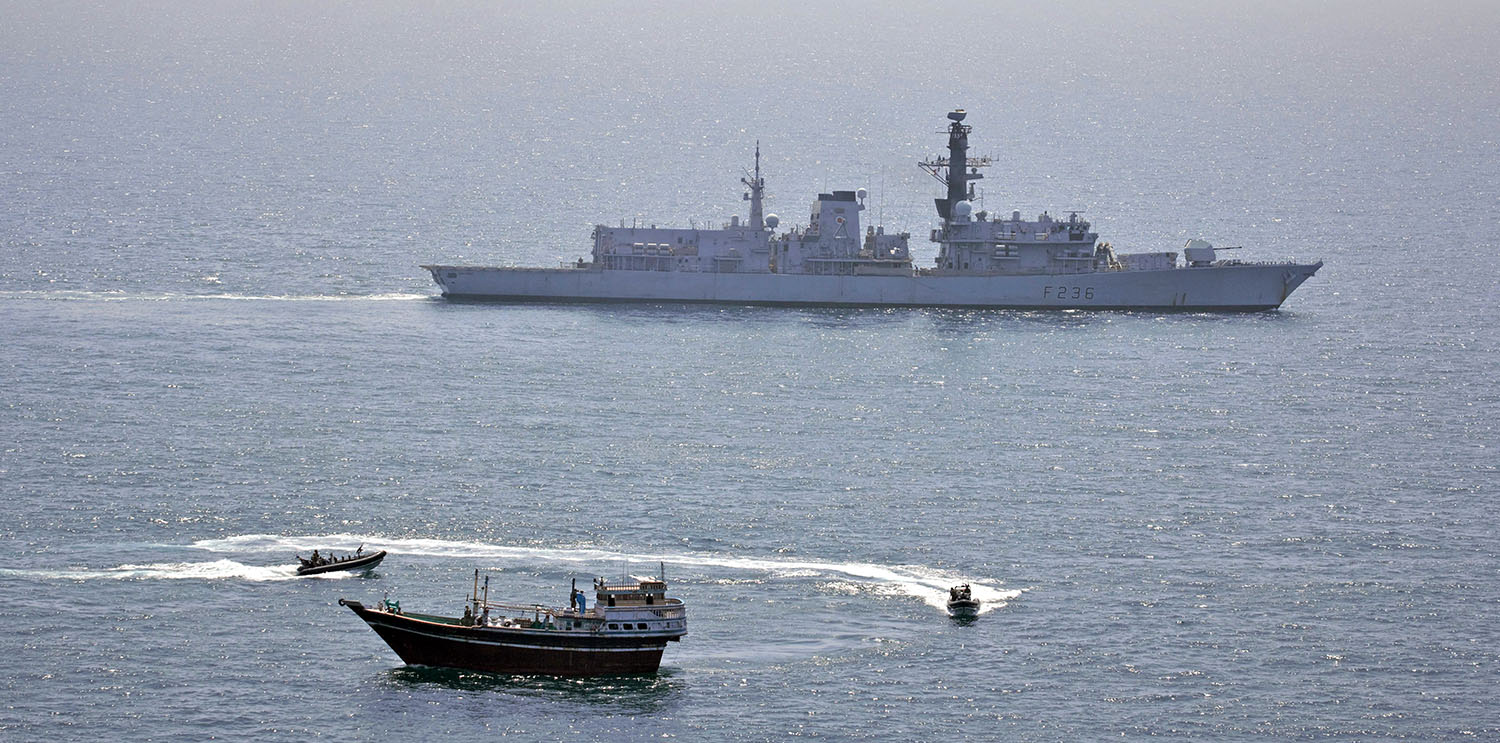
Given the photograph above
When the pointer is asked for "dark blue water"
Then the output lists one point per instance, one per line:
(218, 351)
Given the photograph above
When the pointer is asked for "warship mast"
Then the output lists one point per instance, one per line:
(957, 169)
(757, 186)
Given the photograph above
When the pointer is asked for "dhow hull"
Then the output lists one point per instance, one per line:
(420, 642)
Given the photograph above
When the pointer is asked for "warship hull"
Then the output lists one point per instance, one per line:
(1235, 287)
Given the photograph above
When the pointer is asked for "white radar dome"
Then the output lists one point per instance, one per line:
(772, 220)
(962, 209)
(861, 194)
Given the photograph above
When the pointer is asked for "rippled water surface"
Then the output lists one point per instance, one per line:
(219, 352)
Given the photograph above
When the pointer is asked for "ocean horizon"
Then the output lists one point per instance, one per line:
(221, 352)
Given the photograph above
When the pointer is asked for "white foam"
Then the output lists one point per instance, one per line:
(216, 570)
(928, 584)
(113, 296)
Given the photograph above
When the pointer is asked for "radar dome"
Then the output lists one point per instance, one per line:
(861, 194)
(772, 220)
(962, 209)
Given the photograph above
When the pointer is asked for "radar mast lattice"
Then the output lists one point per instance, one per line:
(956, 179)
(756, 196)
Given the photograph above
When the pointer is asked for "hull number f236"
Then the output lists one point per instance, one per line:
(1067, 292)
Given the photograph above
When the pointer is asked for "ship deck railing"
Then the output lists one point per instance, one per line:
(536, 269)
(433, 618)
(523, 608)
(669, 608)
(459, 622)
(1238, 262)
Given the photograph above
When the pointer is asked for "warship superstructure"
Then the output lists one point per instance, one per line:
(983, 260)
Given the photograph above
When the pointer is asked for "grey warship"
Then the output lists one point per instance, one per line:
(983, 261)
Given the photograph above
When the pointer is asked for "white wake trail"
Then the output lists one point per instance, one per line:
(928, 584)
(120, 296)
(215, 570)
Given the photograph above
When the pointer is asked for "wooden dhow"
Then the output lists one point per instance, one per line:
(624, 632)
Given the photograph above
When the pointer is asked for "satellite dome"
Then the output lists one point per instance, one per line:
(772, 220)
(861, 194)
(962, 209)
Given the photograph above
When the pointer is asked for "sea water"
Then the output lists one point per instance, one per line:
(219, 353)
